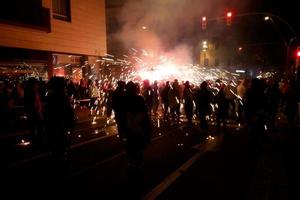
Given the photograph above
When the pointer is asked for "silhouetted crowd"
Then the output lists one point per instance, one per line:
(49, 107)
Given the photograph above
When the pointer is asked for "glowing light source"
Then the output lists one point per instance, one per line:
(94, 120)
(228, 18)
(210, 137)
(204, 22)
(24, 143)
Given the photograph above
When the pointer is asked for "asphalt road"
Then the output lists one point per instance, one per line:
(181, 162)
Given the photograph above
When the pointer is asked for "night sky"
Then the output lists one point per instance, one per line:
(289, 12)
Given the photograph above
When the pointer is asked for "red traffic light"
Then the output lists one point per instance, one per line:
(228, 18)
(298, 53)
(204, 22)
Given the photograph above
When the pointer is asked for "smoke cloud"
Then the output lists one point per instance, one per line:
(171, 27)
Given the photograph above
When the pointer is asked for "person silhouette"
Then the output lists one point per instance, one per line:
(137, 131)
(59, 117)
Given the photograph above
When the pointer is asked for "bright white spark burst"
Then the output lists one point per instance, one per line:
(162, 68)
(141, 64)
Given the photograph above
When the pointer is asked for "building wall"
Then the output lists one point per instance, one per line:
(85, 34)
(211, 56)
(113, 9)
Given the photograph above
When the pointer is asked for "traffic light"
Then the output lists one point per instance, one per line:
(228, 18)
(204, 23)
(297, 58)
(298, 54)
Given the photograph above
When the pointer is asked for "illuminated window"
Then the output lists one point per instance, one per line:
(61, 9)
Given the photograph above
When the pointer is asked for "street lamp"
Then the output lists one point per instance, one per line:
(267, 18)
(287, 44)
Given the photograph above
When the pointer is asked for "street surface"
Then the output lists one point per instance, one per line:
(181, 162)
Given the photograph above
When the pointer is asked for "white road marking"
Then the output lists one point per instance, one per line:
(202, 149)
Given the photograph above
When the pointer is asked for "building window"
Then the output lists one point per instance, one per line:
(61, 9)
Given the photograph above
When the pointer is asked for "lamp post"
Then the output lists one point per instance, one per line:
(288, 51)
(287, 44)
(268, 17)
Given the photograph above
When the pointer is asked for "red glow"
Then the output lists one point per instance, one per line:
(298, 53)
(229, 14)
(59, 71)
(203, 18)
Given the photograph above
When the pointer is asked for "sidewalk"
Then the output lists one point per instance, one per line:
(83, 119)
(18, 146)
